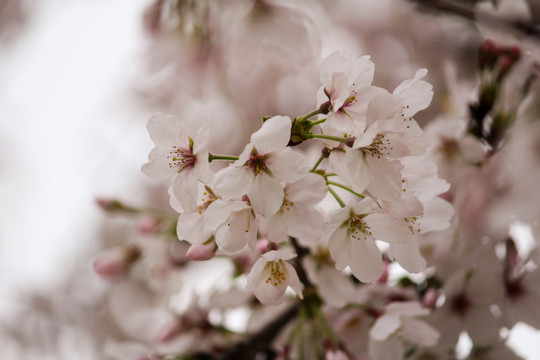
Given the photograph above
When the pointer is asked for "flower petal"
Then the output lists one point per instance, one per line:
(266, 195)
(273, 135)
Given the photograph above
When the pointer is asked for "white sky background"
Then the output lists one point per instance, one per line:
(68, 132)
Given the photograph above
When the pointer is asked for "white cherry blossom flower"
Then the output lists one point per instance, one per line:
(346, 83)
(353, 231)
(271, 275)
(397, 325)
(264, 163)
(297, 216)
(178, 155)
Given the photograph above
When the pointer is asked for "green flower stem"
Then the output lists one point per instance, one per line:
(310, 115)
(212, 157)
(327, 330)
(326, 137)
(318, 122)
(336, 196)
(346, 188)
(317, 164)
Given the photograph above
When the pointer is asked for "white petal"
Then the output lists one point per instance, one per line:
(335, 62)
(387, 229)
(366, 263)
(190, 227)
(233, 182)
(385, 326)
(266, 195)
(185, 189)
(419, 332)
(158, 167)
(305, 224)
(287, 165)
(292, 279)
(383, 108)
(338, 90)
(308, 191)
(166, 131)
(273, 135)
(362, 72)
(274, 228)
(390, 349)
(416, 93)
(408, 255)
(385, 180)
(219, 211)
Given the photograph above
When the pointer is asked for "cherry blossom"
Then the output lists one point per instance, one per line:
(178, 155)
(271, 275)
(265, 161)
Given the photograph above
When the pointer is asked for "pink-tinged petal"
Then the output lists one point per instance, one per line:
(266, 195)
(185, 189)
(236, 233)
(287, 165)
(407, 308)
(336, 289)
(408, 256)
(366, 260)
(276, 255)
(190, 227)
(358, 170)
(415, 93)
(335, 62)
(438, 213)
(365, 206)
(358, 108)
(385, 326)
(387, 229)
(419, 332)
(305, 224)
(219, 211)
(338, 90)
(339, 247)
(341, 164)
(256, 275)
(273, 135)
(158, 167)
(274, 228)
(342, 124)
(201, 252)
(385, 180)
(270, 294)
(308, 191)
(384, 108)
(363, 71)
(202, 138)
(166, 131)
(292, 279)
(202, 167)
(407, 206)
(233, 182)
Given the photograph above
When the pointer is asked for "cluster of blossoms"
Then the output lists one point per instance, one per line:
(272, 203)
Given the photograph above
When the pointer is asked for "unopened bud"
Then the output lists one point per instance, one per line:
(488, 55)
(148, 226)
(201, 252)
(325, 107)
(430, 298)
(326, 152)
(115, 261)
(350, 141)
(506, 64)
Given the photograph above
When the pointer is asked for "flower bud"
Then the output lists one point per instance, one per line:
(201, 252)
(148, 226)
(115, 261)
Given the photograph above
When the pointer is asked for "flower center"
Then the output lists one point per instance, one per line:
(181, 158)
(379, 146)
(256, 162)
(276, 274)
(358, 229)
(460, 304)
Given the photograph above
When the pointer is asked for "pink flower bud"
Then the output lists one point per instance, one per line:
(148, 226)
(201, 252)
(170, 331)
(115, 261)
(430, 299)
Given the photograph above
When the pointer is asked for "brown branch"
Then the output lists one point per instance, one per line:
(468, 12)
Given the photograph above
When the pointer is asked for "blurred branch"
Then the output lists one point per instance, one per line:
(468, 12)
(261, 340)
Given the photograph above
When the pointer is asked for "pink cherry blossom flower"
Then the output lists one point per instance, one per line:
(297, 216)
(264, 163)
(178, 155)
(271, 275)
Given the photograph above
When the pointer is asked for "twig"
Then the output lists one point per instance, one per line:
(468, 12)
